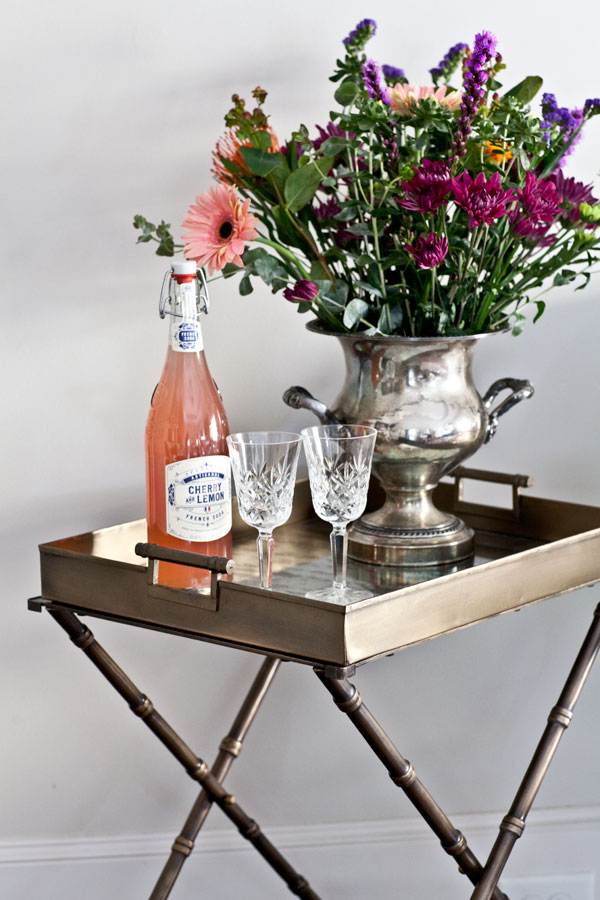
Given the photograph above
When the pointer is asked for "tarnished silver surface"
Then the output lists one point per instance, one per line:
(420, 396)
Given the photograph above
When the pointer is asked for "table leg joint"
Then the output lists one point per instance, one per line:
(561, 715)
(182, 845)
(231, 745)
(513, 824)
(457, 847)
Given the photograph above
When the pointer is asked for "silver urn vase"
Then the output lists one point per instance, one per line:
(419, 395)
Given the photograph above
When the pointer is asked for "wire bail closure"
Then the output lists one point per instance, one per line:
(166, 301)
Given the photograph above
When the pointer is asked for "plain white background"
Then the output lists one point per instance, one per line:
(113, 109)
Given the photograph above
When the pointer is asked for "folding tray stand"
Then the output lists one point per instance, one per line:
(532, 551)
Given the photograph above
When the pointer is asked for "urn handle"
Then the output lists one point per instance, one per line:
(299, 398)
(519, 390)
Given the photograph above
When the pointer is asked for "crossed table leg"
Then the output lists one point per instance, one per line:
(349, 701)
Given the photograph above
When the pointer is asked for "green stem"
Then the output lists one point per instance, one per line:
(283, 251)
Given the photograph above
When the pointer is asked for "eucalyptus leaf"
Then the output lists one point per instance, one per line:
(361, 228)
(355, 310)
(334, 145)
(390, 318)
(370, 288)
(347, 92)
(245, 286)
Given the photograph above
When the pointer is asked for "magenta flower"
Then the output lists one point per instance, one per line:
(571, 194)
(483, 200)
(531, 229)
(429, 187)
(304, 291)
(539, 198)
(428, 252)
(327, 210)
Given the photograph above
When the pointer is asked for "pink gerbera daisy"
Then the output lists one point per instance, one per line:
(405, 97)
(218, 225)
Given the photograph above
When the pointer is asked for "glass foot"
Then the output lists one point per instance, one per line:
(343, 596)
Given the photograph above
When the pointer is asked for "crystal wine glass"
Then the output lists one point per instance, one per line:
(264, 470)
(339, 467)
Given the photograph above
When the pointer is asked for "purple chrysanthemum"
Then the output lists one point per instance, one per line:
(539, 198)
(372, 79)
(449, 63)
(571, 194)
(483, 200)
(359, 35)
(429, 187)
(428, 252)
(393, 74)
(303, 291)
(571, 191)
(343, 236)
(327, 210)
(476, 75)
(530, 230)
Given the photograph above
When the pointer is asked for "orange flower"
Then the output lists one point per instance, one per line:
(498, 150)
(218, 225)
(228, 147)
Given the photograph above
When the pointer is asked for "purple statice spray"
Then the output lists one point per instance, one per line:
(358, 37)
(484, 48)
(591, 107)
(557, 115)
(372, 79)
(449, 63)
(393, 75)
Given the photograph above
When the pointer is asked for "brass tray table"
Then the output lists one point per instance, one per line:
(526, 553)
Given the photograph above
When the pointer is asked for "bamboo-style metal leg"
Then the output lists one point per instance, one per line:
(402, 773)
(196, 768)
(560, 717)
(229, 750)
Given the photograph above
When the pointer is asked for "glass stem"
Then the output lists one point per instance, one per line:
(264, 545)
(339, 552)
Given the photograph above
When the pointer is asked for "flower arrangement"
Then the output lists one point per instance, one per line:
(416, 211)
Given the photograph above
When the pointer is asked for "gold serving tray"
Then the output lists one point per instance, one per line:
(534, 550)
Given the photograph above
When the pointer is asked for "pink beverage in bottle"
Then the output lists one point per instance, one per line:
(188, 473)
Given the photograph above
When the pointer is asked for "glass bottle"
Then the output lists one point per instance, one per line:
(188, 473)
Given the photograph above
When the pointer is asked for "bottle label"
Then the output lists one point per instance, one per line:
(199, 498)
(185, 333)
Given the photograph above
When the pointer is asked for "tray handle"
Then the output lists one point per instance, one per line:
(517, 482)
(217, 565)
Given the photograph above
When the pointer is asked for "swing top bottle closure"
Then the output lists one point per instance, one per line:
(188, 473)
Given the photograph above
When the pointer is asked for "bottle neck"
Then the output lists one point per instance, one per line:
(185, 332)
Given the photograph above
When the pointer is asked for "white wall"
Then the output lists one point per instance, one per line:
(113, 109)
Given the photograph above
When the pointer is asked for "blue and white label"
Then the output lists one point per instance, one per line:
(199, 498)
(186, 335)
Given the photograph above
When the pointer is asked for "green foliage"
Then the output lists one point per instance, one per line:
(159, 233)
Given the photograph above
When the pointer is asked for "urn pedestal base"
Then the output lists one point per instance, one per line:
(385, 546)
